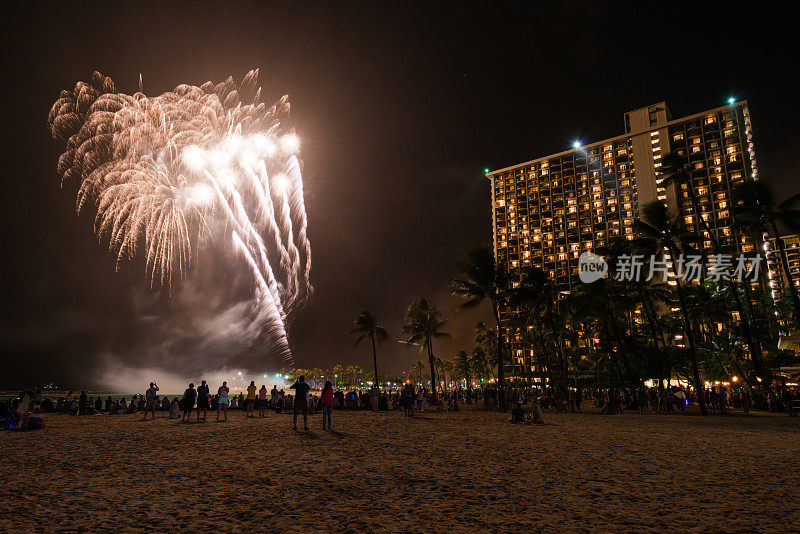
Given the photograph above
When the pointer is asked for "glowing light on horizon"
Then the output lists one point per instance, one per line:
(166, 172)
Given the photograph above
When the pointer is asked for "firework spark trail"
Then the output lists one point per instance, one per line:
(161, 170)
(300, 207)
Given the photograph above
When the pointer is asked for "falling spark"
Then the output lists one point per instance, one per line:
(160, 170)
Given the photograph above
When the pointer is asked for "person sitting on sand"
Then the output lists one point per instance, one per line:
(518, 414)
(189, 397)
(8, 417)
(22, 409)
(301, 401)
(35, 419)
(222, 403)
(123, 407)
(452, 403)
(536, 417)
(175, 409)
(132, 405)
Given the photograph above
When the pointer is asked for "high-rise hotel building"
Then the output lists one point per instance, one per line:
(780, 280)
(548, 210)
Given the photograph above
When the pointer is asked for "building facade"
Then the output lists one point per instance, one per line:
(780, 280)
(549, 210)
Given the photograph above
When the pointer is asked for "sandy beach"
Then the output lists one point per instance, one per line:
(439, 472)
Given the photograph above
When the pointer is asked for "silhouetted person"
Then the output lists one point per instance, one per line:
(301, 401)
(222, 402)
(327, 404)
(202, 400)
(251, 398)
(189, 397)
(151, 400)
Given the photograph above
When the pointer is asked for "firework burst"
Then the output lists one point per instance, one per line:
(162, 171)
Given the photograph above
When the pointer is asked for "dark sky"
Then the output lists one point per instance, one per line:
(400, 106)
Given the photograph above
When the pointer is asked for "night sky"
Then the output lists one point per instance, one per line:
(400, 107)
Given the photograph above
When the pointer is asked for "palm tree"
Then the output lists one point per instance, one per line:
(480, 363)
(316, 375)
(358, 375)
(679, 174)
(463, 367)
(286, 373)
(537, 300)
(441, 364)
(338, 374)
(447, 369)
(755, 203)
(485, 348)
(667, 233)
(416, 367)
(366, 326)
(483, 279)
(424, 324)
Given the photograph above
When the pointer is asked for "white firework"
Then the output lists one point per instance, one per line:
(161, 170)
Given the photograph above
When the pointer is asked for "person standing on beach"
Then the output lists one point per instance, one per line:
(301, 401)
(273, 396)
(189, 397)
(202, 400)
(262, 401)
(407, 397)
(68, 402)
(251, 398)
(222, 392)
(327, 404)
(151, 396)
(642, 400)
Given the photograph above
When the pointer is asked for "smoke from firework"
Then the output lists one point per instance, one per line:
(193, 169)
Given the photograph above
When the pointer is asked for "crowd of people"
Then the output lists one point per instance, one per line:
(28, 409)
(718, 399)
